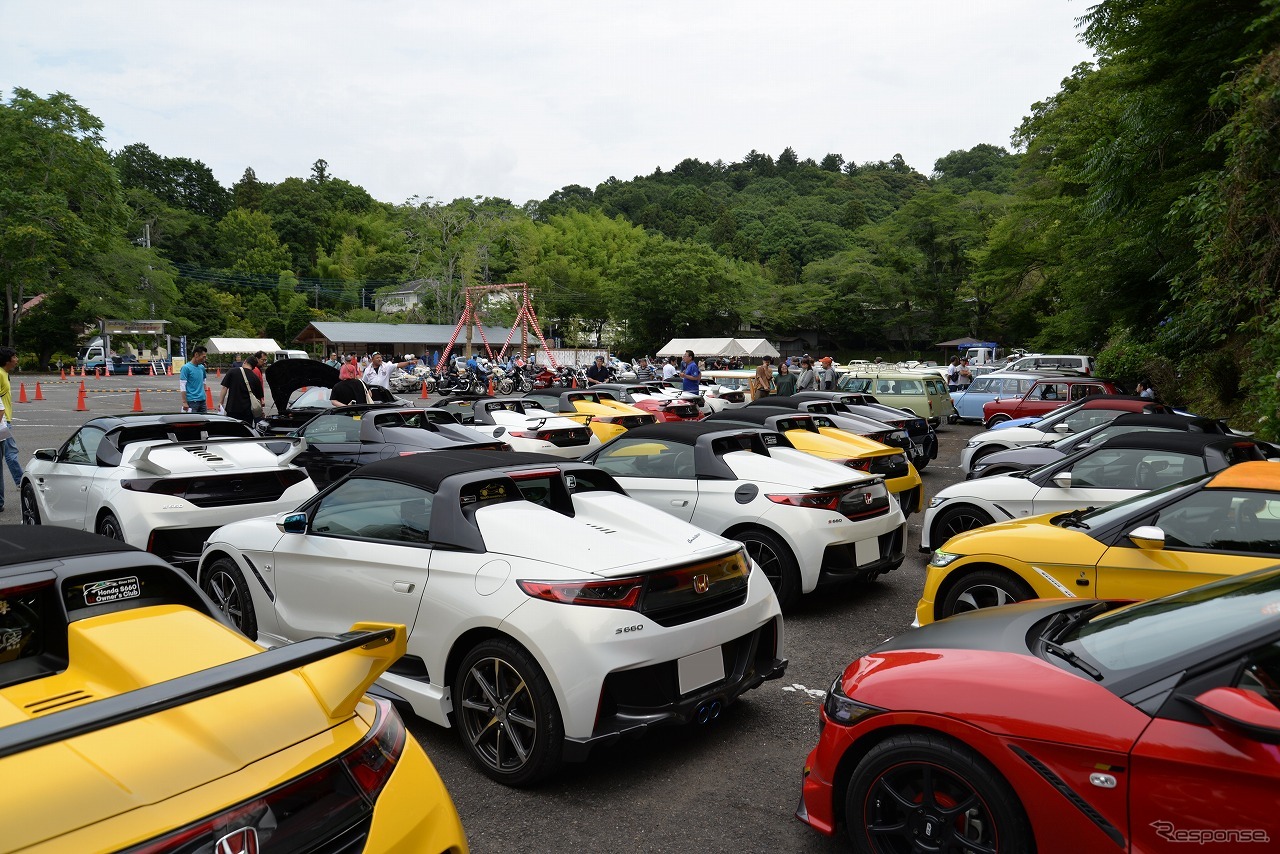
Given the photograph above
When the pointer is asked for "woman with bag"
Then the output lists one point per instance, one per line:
(762, 382)
(242, 396)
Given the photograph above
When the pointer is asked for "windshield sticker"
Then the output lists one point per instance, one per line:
(570, 482)
(494, 490)
(112, 590)
(770, 440)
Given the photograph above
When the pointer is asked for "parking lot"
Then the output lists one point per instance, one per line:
(730, 786)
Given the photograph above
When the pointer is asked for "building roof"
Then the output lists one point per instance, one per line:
(434, 334)
(223, 346)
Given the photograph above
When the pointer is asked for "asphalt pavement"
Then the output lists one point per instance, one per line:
(732, 785)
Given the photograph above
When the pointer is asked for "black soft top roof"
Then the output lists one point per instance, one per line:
(1186, 423)
(686, 432)
(1190, 443)
(754, 414)
(26, 544)
(431, 469)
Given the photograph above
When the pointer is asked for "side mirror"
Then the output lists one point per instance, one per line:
(1244, 712)
(1064, 429)
(49, 455)
(292, 523)
(1062, 480)
(1147, 538)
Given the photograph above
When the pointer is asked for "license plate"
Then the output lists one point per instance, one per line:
(699, 669)
(866, 551)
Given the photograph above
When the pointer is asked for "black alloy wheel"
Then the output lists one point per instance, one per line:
(776, 561)
(224, 583)
(30, 509)
(109, 526)
(506, 714)
(957, 520)
(919, 792)
(985, 588)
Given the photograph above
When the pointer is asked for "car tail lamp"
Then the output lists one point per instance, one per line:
(541, 435)
(613, 593)
(627, 422)
(814, 500)
(305, 812)
(860, 465)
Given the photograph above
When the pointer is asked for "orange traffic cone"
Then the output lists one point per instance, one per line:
(574, 384)
(490, 386)
(62, 374)
(217, 372)
(82, 386)
(38, 396)
(208, 398)
(97, 373)
(22, 393)
(137, 400)
(80, 404)
(423, 396)
(82, 373)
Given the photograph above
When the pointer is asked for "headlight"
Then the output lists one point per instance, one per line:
(842, 710)
(972, 444)
(936, 501)
(941, 558)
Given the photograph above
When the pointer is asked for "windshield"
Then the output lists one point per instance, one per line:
(1170, 628)
(1135, 506)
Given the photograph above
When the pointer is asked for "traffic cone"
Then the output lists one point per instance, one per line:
(217, 372)
(490, 386)
(82, 373)
(208, 398)
(574, 383)
(22, 393)
(38, 396)
(62, 374)
(97, 373)
(137, 400)
(82, 386)
(423, 396)
(80, 404)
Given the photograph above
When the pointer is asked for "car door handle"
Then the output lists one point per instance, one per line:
(402, 586)
(679, 502)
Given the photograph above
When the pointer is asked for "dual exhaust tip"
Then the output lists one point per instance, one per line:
(708, 712)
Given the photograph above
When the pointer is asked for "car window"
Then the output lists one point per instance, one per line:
(369, 509)
(1015, 386)
(1083, 419)
(82, 448)
(1261, 674)
(1080, 391)
(647, 458)
(855, 384)
(311, 398)
(1134, 468)
(327, 429)
(982, 384)
(1223, 520)
(1049, 391)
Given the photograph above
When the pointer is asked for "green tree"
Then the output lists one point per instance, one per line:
(248, 243)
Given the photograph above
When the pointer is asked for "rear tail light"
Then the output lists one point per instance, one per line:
(815, 500)
(613, 593)
(372, 762)
(860, 465)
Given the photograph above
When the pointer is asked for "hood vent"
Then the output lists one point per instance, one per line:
(208, 456)
(57, 703)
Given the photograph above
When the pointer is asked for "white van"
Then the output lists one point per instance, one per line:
(1040, 362)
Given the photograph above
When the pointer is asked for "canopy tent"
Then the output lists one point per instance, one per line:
(241, 346)
(965, 343)
(704, 347)
(758, 348)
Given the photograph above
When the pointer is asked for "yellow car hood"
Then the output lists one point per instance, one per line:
(859, 446)
(1031, 540)
(111, 771)
(610, 407)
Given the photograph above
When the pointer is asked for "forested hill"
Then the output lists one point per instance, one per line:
(1136, 219)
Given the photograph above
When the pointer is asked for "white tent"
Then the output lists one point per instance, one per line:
(758, 347)
(703, 347)
(241, 346)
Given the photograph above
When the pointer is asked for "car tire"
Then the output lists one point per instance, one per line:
(109, 526)
(998, 418)
(30, 507)
(224, 583)
(984, 451)
(957, 520)
(984, 588)
(953, 418)
(776, 561)
(506, 714)
(920, 783)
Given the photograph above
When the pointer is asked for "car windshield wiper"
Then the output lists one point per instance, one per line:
(1071, 658)
(1072, 519)
(1059, 629)
(1020, 473)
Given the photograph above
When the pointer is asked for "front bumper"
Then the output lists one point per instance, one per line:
(634, 700)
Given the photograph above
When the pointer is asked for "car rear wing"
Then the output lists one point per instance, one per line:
(339, 681)
(144, 462)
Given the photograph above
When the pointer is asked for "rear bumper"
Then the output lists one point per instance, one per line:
(839, 562)
(632, 701)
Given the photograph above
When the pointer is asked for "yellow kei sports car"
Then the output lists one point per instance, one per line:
(1153, 544)
(132, 717)
(606, 417)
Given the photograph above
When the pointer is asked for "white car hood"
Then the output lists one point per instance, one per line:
(1015, 436)
(518, 421)
(611, 535)
(995, 489)
(789, 467)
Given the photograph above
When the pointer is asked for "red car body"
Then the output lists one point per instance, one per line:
(1092, 771)
(1044, 396)
(664, 409)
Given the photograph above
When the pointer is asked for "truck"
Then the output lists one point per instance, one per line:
(990, 353)
(94, 355)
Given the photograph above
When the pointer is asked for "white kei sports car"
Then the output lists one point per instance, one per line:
(805, 521)
(162, 482)
(545, 617)
(522, 424)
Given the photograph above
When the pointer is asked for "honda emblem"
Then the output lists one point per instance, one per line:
(866, 498)
(242, 841)
(701, 583)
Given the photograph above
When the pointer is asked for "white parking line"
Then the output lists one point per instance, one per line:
(815, 693)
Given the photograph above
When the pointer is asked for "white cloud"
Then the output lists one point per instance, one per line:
(516, 99)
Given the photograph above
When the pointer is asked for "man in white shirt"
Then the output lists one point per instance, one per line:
(669, 370)
(379, 372)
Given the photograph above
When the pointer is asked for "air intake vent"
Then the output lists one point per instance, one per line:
(208, 456)
(57, 703)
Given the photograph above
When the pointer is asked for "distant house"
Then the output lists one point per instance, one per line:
(404, 298)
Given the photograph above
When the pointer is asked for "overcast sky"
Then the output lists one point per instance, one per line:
(517, 99)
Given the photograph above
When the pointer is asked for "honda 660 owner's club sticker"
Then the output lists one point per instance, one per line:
(112, 590)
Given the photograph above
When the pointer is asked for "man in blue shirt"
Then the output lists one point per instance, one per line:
(689, 374)
(192, 378)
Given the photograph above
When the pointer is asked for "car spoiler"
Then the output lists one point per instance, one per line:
(144, 462)
(338, 683)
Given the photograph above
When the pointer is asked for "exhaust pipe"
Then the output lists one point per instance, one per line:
(716, 709)
(703, 714)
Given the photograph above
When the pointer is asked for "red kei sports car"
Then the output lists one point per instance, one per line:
(1062, 726)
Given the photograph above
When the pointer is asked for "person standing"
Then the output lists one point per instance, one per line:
(1146, 391)
(599, 372)
(826, 375)
(379, 372)
(644, 371)
(349, 369)
(953, 374)
(690, 376)
(762, 382)
(808, 379)
(240, 386)
(332, 361)
(191, 378)
(8, 364)
(669, 370)
(964, 377)
(785, 382)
